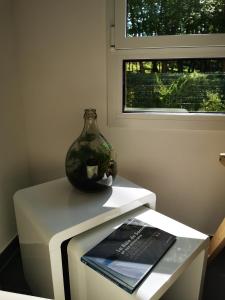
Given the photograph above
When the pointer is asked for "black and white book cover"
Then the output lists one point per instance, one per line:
(129, 253)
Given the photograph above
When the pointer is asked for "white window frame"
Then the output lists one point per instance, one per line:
(121, 48)
(192, 40)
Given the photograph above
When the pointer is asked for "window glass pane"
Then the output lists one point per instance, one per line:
(179, 85)
(175, 17)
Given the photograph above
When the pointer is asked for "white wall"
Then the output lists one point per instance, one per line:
(63, 70)
(13, 164)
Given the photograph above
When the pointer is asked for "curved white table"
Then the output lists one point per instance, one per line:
(177, 276)
(51, 213)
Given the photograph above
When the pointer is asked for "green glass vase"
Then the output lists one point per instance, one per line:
(90, 164)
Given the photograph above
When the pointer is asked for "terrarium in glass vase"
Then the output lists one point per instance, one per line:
(90, 163)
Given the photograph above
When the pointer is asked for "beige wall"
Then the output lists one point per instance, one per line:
(13, 165)
(62, 71)
(62, 47)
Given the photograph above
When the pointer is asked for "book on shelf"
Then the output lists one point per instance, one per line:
(129, 253)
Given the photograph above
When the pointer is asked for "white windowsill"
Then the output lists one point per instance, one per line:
(167, 121)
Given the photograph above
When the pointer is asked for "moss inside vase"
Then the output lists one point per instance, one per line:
(89, 163)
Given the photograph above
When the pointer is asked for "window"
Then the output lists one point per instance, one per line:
(178, 85)
(167, 23)
(177, 17)
(167, 61)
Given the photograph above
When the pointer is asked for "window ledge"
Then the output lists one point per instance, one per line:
(167, 121)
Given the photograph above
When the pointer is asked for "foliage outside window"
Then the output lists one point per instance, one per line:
(175, 17)
(184, 85)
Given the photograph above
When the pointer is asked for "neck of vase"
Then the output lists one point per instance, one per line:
(90, 126)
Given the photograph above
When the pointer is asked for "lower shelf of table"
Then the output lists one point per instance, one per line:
(181, 267)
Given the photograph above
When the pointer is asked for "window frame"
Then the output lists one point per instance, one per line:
(121, 48)
(164, 41)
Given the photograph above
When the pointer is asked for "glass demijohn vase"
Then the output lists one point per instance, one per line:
(89, 162)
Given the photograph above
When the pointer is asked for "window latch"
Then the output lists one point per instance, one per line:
(222, 158)
(112, 36)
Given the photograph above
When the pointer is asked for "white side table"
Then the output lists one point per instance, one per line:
(51, 213)
(178, 275)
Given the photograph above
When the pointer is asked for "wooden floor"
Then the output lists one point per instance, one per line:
(12, 278)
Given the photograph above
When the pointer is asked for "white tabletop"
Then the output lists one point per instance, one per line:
(56, 206)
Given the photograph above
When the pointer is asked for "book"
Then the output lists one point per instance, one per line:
(129, 253)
